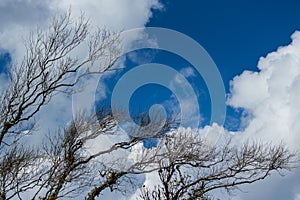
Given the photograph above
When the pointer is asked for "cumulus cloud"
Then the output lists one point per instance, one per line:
(271, 96)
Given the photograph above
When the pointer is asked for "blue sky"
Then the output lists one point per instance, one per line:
(235, 34)
(263, 93)
(5, 59)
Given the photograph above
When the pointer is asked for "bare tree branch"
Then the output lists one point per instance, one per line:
(50, 66)
(193, 170)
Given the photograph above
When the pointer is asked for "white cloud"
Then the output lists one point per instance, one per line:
(272, 97)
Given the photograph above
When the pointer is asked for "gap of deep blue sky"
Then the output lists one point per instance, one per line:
(235, 33)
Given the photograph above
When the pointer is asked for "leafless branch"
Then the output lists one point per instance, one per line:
(50, 66)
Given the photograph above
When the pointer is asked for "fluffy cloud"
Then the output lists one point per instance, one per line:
(272, 98)
(271, 95)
